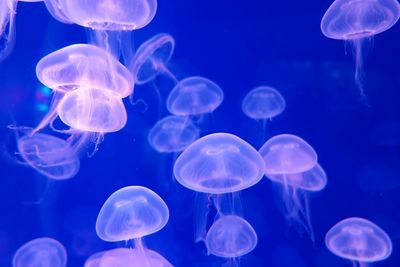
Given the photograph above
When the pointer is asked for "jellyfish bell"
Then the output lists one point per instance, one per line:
(84, 65)
(41, 252)
(152, 57)
(287, 154)
(263, 103)
(359, 240)
(172, 134)
(219, 163)
(92, 110)
(94, 260)
(54, 8)
(131, 212)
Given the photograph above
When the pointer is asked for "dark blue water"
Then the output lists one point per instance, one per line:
(239, 45)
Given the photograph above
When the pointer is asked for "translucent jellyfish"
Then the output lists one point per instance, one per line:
(358, 240)
(172, 134)
(231, 237)
(357, 22)
(291, 164)
(194, 96)
(263, 103)
(287, 153)
(131, 213)
(41, 252)
(152, 57)
(219, 163)
(54, 8)
(83, 65)
(7, 27)
(51, 156)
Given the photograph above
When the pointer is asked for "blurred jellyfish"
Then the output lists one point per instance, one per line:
(231, 237)
(194, 96)
(94, 260)
(41, 252)
(358, 240)
(356, 22)
(291, 163)
(172, 134)
(7, 27)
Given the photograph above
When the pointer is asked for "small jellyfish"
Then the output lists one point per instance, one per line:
(358, 240)
(231, 237)
(194, 96)
(356, 22)
(41, 252)
(291, 164)
(92, 110)
(152, 57)
(51, 156)
(172, 134)
(219, 163)
(131, 213)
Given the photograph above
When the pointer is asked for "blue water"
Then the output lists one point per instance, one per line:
(239, 45)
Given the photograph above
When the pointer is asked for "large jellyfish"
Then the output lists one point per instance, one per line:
(358, 240)
(41, 252)
(291, 163)
(172, 134)
(356, 22)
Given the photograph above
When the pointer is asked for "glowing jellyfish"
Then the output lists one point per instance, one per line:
(358, 240)
(54, 8)
(92, 110)
(219, 163)
(51, 156)
(263, 103)
(152, 57)
(357, 22)
(231, 237)
(131, 213)
(172, 134)
(194, 96)
(7, 27)
(41, 252)
(291, 164)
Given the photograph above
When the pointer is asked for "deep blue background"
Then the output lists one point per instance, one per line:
(239, 45)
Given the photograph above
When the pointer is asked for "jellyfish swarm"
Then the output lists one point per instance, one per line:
(131, 213)
(291, 163)
(263, 103)
(356, 22)
(125, 257)
(41, 252)
(219, 165)
(358, 240)
(231, 237)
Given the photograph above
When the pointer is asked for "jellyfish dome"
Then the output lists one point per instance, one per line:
(287, 154)
(312, 180)
(54, 8)
(262, 103)
(194, 96)
(219, 163)
(41, 252)
(355, 19)
(51, 156)
(110, 15)
(358, 239)
(230, 237)
(152, 57)
(172, 134)
(84, 65)
(131, 212)
(92, 110)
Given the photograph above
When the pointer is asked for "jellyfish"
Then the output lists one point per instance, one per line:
(291, 164)
(54, 8)
(231, 237)
(194, 96)
(263, 103)
(7, 27)
(126, 257)
(359, 240)
(356, 22)
(172, 134)
(41, 252)
(219, 165)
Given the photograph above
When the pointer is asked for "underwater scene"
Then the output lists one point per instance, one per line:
(146, 133)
